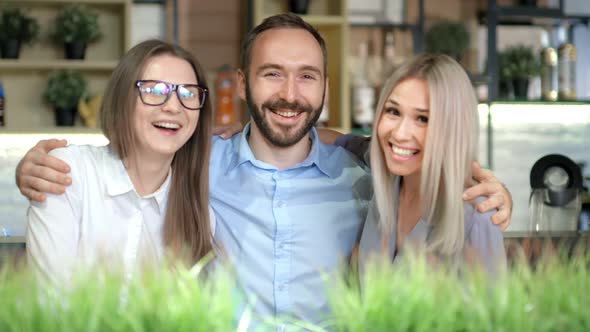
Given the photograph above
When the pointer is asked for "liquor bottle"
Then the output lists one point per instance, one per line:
(325, 114)
(2, 122)
(549, 76)
(388, 57)
(224, 97)
(566, 66)
(363, 94)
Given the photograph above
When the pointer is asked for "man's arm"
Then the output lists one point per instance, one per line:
(39, 173)
(498, 197)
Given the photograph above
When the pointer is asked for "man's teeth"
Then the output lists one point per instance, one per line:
(168, 125)
(402, 152)
(288, 114)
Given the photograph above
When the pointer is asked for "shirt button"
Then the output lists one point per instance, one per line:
(281, 245)
(282, 287)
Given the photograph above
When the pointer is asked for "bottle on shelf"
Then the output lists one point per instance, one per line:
(325, 114)
(388, 56)
(224, 97)
(566, 54)
(363, 94)
(2, 121)
(549, 76)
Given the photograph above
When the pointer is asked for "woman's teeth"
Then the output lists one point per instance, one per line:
(167, 125)
(402, 152)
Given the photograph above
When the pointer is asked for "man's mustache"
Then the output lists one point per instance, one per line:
(283, 104)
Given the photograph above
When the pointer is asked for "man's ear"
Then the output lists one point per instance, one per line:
(326, 90)
(241, 84)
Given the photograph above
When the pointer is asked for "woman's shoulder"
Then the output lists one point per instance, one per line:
(479, 227)
(486, 238)
(86, 160)
(79, 152)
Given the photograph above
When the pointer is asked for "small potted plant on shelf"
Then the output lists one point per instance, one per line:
(298, 6)
(517, 64)
(16, 28)
(75, 27)
(63, 91)
(447, 37)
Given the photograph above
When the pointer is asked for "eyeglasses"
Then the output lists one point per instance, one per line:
(156, 93)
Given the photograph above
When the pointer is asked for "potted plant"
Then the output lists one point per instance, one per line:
(75, 27)
(298, 6)
(63, 91)
(16, 28)
(447, 37)
(517, 65)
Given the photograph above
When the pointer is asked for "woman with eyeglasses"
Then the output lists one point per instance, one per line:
(145, 195)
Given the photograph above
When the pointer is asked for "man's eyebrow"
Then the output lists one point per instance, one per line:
(266, 66)
(313, 69)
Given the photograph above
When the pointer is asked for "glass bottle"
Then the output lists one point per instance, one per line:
(363, 94)
(549, 76)
(566, 66)
(224, 97)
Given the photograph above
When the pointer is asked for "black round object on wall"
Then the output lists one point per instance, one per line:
(560, 176)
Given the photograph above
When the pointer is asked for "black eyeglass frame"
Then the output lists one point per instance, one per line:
(173, 88)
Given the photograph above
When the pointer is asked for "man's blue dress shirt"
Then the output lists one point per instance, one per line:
(286, 231)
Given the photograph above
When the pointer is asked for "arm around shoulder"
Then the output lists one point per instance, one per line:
(53, 227)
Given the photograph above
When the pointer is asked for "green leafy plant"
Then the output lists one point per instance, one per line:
(76, 23)
(159, 300)
(413, 296)
(64, 89)
(447, 37)
(16, 25)
(518, 62)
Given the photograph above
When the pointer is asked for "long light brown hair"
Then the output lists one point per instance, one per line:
(451, 147)
(186, 226)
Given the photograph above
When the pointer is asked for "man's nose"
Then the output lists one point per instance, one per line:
(289, 90)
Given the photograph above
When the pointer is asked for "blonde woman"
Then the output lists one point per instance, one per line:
(148, 190)
(425, 141)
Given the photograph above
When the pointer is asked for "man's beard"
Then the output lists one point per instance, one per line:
(281, 139)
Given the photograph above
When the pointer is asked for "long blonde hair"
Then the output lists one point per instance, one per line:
(451, 147)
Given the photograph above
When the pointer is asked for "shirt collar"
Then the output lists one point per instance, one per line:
(118, 182)
(242, 153)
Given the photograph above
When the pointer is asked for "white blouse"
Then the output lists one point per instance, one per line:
(99, 219)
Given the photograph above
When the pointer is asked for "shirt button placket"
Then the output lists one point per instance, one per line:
(282, 259)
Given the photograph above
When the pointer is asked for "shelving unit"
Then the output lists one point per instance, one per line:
(24, 79)
(16, 65)
(330, 18)
(417, 28)
(497, 15)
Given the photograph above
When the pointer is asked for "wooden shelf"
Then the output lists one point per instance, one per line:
(23, 65)
(384, 25)
(67, 2)
(12, 239)
(25, 79)
(74, 130)
(324, 19)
